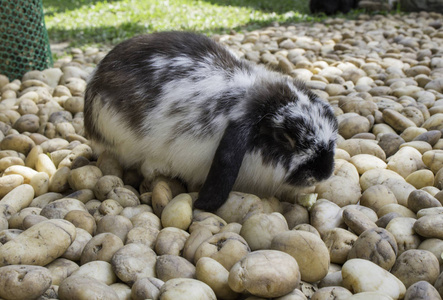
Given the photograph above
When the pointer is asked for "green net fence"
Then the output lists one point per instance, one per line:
(24, 43)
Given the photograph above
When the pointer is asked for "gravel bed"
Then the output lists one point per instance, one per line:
(77, 226)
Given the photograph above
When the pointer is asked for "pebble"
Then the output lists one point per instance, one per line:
(397, 120)
(422, 290)
(279, 270)
(357, 221)
(430, 226)
(377, 245)
(402, 229)
(415, 265)
(360, 275)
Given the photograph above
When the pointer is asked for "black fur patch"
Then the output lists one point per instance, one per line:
(225, 166)
(331, 7)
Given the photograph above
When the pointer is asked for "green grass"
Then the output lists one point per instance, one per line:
(92, 22)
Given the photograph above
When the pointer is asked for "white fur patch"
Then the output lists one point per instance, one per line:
(259, 178)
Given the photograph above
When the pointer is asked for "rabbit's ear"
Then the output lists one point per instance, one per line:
(225, 166)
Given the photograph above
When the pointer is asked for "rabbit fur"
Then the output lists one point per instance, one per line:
(181, 105)
(330, 7)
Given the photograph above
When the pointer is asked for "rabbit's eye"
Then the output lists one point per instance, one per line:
(285, 138)
(290, 140)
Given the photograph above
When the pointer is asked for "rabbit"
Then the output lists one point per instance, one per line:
(330, 7)
(181, 105)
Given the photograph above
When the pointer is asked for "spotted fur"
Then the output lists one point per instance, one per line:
(330, 7)
(181, 105)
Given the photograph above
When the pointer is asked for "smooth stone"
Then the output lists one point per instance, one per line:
(377, 196)
(414, 114)
(360, 275)
(436, 84)
(362, 146)
(23, 281)
(339, 190)
(435, 122)
(430, 226)
(357, 221)
(422, 290)
(370, 296)
(186, 288)
(395, 182)
(396, 120)
(309, 251)
(365, 162)
(421, 178)
(417, 70)
(397, 208)
(326, 215)
(418, 200)
(411, 133)
(383, 221)
(421, 146)
(85, 288)
(278, 269)
(376, 245)
(402, 229)
(350, 124)
(339, 242)
(390, 143)
(416, 265)
(337, 292)
(433, 160)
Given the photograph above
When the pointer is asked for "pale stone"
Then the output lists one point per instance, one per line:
(361, 275)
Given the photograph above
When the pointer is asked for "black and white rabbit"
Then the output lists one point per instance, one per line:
(181, 105)
(331, 7)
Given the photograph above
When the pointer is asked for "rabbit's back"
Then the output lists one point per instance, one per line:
(166, 98)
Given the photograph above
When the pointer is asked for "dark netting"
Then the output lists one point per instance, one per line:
(24, 43)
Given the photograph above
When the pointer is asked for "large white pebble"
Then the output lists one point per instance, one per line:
(9, 182)
(40, 183)
(186, 288)
(84, 177)
(370, 296)
(403, 232)
(365, 162)
(45, 164)
(433, 159)
(406, 161)
(260, 229)
(308, 249)
(326, 215)
(361, 146)
(178, 212)
(265, 273)
(23, 282)
(339, 190)
(58, 209)
(360, 275)
(100, 270)
(240, 206)
(39, 245)
(392, 180)
(24, 171)
(85, 288)
(134, 261)
(60, 269)
(216, 276)
(20, 197)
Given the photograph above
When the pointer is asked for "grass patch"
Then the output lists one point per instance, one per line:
(99, 22)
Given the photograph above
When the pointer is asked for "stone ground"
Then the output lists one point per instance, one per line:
(372, 231)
